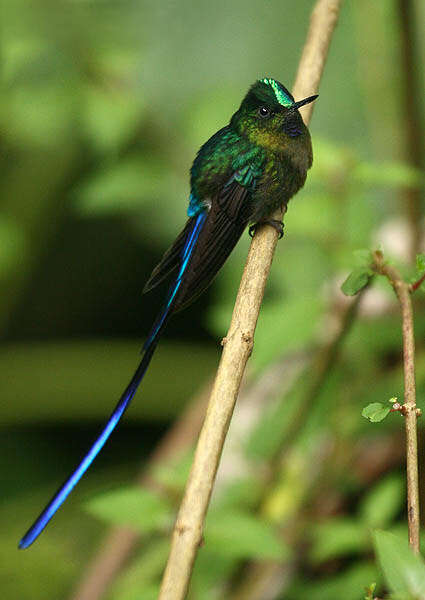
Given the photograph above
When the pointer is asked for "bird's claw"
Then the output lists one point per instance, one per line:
(278, 225)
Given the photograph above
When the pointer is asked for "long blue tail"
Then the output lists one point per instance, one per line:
(63, 492)
(149, 348)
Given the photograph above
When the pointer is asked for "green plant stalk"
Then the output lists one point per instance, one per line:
(409, 409)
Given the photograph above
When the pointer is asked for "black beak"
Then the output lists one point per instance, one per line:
(300, 103)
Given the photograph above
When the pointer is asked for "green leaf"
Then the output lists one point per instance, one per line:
(133, 506)
(404, 571)
(375, 412)
(420, 262)
(337, 537)
(356, 281)
(242, 535)
(383, 502)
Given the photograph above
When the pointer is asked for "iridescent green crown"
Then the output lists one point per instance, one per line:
(282, 95)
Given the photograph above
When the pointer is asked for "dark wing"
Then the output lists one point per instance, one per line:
(227, 218)
(170, 260)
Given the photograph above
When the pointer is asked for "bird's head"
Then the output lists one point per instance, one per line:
(269, 115)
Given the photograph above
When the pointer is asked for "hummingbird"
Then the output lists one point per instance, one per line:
(239, 177)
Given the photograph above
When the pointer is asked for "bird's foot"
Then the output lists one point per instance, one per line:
(278, 225)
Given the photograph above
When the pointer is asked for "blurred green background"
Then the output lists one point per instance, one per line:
(103, 107)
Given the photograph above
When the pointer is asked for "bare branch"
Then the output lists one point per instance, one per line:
(187, 534)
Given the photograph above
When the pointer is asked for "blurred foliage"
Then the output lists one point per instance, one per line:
(104, 106)
(404, 571)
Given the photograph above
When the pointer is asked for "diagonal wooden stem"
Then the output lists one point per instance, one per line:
(187, 534)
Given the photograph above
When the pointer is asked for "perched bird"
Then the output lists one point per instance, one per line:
(240, 176)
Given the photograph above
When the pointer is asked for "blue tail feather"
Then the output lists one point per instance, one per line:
(149, 348)
(186, 254)
(63, 492)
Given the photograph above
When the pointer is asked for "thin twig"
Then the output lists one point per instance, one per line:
(187, 534)
(402, 291)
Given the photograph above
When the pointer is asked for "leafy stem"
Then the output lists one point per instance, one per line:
(403, 291)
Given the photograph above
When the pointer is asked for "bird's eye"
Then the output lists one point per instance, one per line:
(264, 112)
